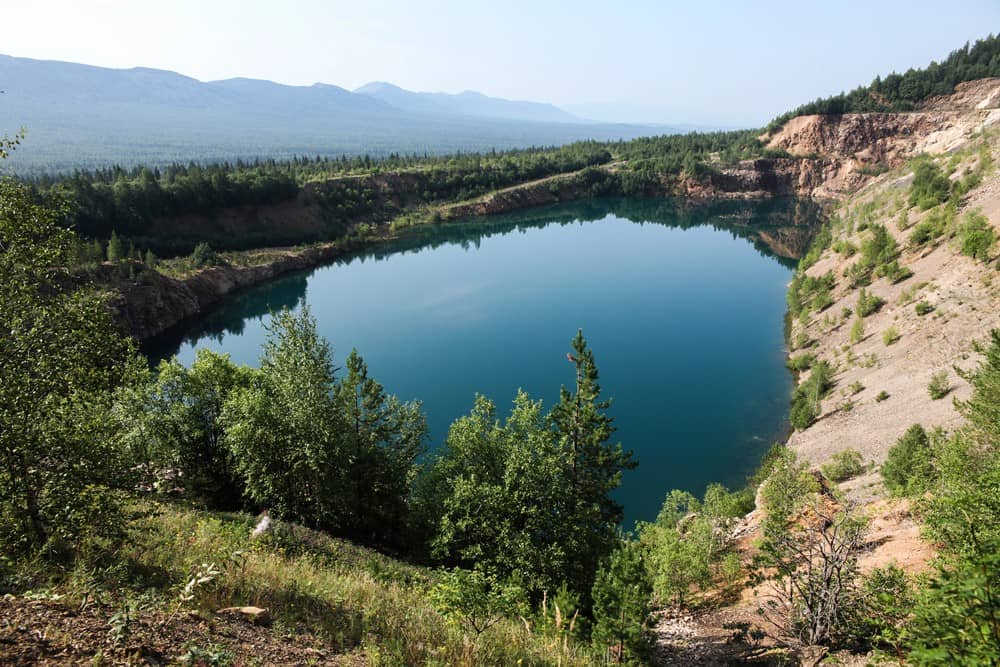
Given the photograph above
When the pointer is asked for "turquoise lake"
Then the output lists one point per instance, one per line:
(683, 307)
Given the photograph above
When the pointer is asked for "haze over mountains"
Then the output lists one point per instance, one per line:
(85, 116)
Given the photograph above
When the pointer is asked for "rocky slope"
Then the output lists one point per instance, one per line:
(961, 133)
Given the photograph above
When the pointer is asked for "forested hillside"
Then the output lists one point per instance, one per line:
(904, 92)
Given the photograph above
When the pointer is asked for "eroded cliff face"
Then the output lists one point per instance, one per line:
(838, 155)
(154, 303)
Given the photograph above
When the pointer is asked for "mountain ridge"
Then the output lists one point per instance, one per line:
(85, 116)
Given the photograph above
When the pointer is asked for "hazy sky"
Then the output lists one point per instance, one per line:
(700, 61)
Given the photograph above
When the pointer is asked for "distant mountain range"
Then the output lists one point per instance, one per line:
(468, 103)
(85, 116)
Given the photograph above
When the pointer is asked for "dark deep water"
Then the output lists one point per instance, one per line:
(682, 307)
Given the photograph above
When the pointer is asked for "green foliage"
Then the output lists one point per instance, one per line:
(383, 438)
(934, 226)
(801, 362)
(939, 385)
(857, 331)
(908, 469)
(621, 597)
(881, 396)
(890, 336)
(923, 308)
(202, 256)
(62, 359)
(902, 92)
(955, 621)
(475, 601)
(930, 185)
(868, 303)
(975, 236)
(894, 272)
(888, 598)
(807, 395)
(174, 422)
(844, 465)
(963, 512)
(336, 454)
(531, 496)
(786, 488)
(116, 249)
(496, 495)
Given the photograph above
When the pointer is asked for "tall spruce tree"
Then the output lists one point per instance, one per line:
(595, 465)
(382, 440)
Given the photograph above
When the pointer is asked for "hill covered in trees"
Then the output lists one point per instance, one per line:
(904, 92)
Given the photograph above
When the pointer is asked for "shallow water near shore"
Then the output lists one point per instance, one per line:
(683, 307)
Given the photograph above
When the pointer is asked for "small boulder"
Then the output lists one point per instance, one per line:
(255, 615)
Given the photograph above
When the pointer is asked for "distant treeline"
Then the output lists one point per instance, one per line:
(126, 201)
(902, 92)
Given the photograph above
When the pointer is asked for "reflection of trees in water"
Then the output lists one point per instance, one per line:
(779, 229)
(285, 291)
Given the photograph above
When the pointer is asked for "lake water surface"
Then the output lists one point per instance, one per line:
(683, 308)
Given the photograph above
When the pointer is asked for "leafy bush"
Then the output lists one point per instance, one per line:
(930, 185)
(975, 236)
(955, 619)
(890, 336)
(475, 601)
(857, 331)
(939, 385)
(894, 272)
(844, 465)
(881, 396)
(202, 256)
(807, 396)
(868, 303)
(908, 469)
(923, 308)
(801, 362)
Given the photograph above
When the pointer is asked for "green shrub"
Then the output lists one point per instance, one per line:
(856, 387)
(890, 336)
(868, 303)
(955, 618)
(787, 488)
(976, 237)
(939, 385)
(807, 396)
(923, 308)
(881, 396)
(857, 331)
(894, 272)
(930, 185)
(801, 362)
(908, 469)
(844, 465)
(202, 255)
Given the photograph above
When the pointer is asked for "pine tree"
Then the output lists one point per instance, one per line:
(382, 441)
(116, 250)
(594, 465)
(622, 594)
